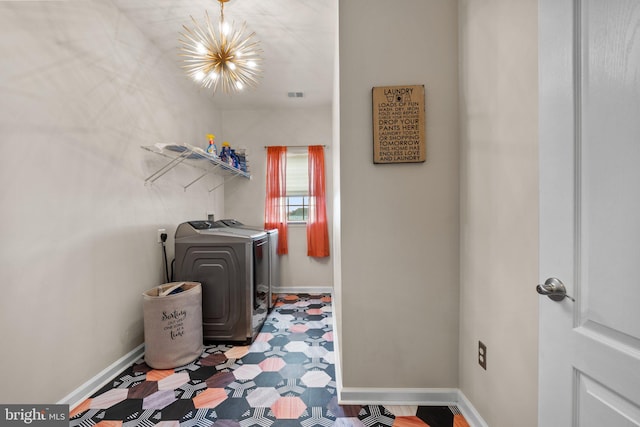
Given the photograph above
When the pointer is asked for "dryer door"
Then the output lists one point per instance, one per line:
(220, 270)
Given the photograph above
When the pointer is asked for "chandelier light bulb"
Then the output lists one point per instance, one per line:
(224, 53)
(225, 28)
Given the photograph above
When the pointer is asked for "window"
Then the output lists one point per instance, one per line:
(295, 193)
(297, 185)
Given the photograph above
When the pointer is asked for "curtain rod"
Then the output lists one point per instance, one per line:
(296, 146)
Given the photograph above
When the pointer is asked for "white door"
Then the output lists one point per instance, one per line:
(589, 358)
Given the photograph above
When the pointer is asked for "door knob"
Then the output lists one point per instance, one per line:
(554, 289)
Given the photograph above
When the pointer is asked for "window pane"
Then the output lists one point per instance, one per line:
(298, 213)
(297, 200)
(297, 209)
(292, 208)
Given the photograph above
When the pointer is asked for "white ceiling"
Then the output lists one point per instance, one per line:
(297, 36)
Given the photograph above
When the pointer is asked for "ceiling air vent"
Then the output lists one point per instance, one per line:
(295, 94)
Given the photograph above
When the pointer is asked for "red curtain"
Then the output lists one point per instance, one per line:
(275, 206)
(317, 228)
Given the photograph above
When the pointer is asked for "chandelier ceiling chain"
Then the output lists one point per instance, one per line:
(221, 57)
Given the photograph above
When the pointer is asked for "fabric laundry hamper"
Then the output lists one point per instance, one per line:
(172, 324)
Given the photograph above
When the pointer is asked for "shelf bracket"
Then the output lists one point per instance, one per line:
(195, 180)
(166, 168)
(224, 181)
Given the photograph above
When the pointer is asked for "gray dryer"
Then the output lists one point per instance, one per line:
(232, 266)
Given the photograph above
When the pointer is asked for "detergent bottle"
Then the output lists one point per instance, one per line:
(211, 149)
(225, 154)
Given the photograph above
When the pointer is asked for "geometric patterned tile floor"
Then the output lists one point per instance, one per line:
(285, 378)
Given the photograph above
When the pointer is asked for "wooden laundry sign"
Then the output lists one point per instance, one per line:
(399, 124)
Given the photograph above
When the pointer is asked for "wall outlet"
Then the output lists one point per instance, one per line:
(482, 355)
(160, 232)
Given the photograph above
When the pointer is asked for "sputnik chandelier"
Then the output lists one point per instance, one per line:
(221, 57)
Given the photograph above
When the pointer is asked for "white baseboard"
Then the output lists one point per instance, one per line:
(79, 395)
(412, 396)
(398, 396)
(469, 411)
(302, 290)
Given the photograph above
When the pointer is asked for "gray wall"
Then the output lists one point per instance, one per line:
(499, 208)
(399, 223)
(80, 91)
